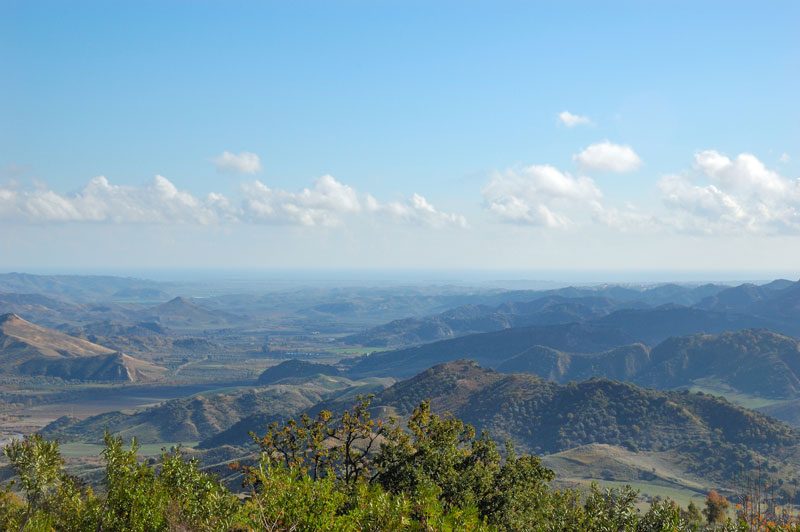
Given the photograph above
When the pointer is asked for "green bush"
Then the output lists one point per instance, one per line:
(341, 474)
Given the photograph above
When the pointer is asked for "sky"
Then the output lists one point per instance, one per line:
(493, 136)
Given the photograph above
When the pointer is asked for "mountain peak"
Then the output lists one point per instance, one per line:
(10, 317)
(179, 301)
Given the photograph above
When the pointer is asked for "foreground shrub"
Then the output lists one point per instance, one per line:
(336, 475)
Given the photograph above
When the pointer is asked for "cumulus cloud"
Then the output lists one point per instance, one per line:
(327, 203)
(540, 195)
(608, 157)
(416, 210)
(731, 196)
(571, 120)
(243, 163)
(323, 204)
(99, 201)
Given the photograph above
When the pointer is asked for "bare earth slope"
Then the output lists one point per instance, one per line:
(28, 349)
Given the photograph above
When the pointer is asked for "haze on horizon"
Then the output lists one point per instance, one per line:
(659, 140)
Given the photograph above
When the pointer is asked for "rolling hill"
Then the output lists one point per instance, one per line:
(293, 368)
(184, 313)
(202, 417)
(188, 419)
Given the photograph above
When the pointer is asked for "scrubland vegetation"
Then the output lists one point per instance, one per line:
(343, 473)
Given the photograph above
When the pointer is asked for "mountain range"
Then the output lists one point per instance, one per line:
(649, 315)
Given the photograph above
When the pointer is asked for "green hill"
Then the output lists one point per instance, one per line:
(294, 368)
(708, 435)
(757, 362)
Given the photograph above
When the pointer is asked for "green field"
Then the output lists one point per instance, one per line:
(712, 387)
(648, 490)
(80, 450)
(358, 350)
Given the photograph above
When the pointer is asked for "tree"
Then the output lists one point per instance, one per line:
(716, 508)
(37, 465)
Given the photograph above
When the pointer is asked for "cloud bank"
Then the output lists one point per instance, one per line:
(99, 201)
(328, 203)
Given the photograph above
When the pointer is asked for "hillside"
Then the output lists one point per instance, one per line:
(28, 349)
(757, 362)
(753, 362)
(470, 319)
(238, 434)
(202, 417)
(21, 340)
(493, 348)
(620, 363)
(711, 436)
(192, 418)
(140, 338)
(527, 308)
(293, 368)
(184, 313)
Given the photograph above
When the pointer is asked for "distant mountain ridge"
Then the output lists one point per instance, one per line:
(492, 348)
(83, 288)
(684, 310)
(756, 362)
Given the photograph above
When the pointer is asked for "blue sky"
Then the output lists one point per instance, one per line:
(425, 135)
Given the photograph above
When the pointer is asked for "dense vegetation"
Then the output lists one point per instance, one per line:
(714, 438)
(337, 474)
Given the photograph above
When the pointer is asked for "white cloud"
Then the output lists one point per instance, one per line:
(608, 157)
(540, 195)
(416, 210)
(327, 203)
(99, 201)
(8, 202)
(571, 120)
(324, 204)
(243, 163)
(742, 196)
(785, 158)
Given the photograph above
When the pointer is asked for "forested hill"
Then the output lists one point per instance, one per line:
(713, 436)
